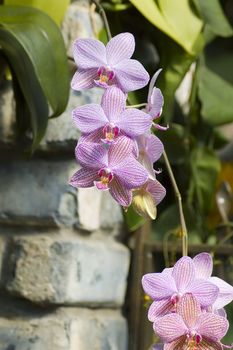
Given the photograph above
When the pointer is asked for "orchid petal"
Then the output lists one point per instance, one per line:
(120, 193)
(134, 122)
(89, 118)
(91, 155)
(203, 264)
(176, 345)
(205, 292)
(183, 273)
(120, 47)
(143, 203)
(89, 53)
(113, 103)
(154, 147)
(170, 327)
(131, 173)
(83, 79)
(158, 347)
(159, 308)
(209, 345)
(158, 285)
(152, 83)
(212, 326)
(131, 75)
(148, 165)
(157, 190)
(121, 149)
(84, 178)
(156, 103)
(189, 309)
(225, 292)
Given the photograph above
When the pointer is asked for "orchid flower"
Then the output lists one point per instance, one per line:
(168, 288)
(110, 65)
(190, 328)
(147, 197)
(111, 119)
(115, 169)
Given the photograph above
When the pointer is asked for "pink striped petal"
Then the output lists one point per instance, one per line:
(113, 103)
(178, 344)
(154, 147)
(122, 148)
(131, 75)
(157, 190)
(183, 273)
(84, 178)
(159, 308)
(205, 292)
(158, 285)
(83, 79)
(203, 264)
(89, 53)
(120, 47)
(89, 118)
(131, 173)
(170, 327)
(134, 122)
(91, 155)
(212, 326)
(189, 309)
(120, 193)
(225, 292)
(209, 345)
(156, 103)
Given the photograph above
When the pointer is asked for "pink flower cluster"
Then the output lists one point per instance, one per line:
(117, 149)
(188, 305)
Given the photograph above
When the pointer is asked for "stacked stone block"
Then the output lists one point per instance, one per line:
(63, 270)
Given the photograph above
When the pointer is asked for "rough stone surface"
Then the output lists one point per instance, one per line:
(57, 270)
(65, 329)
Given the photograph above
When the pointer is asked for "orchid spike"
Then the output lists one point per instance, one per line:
(190, 328)
(114, 169)
(111, 119)
(110, 65)
(169, 287)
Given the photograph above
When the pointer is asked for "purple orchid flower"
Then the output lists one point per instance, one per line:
(168, 288)
(111, 119)
(150, 149)
(155, 101)
(114, 169)
(190, 328)
(110, 65)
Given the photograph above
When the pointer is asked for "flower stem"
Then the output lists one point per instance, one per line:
(137, 106)
(184, 233)
(104, 17)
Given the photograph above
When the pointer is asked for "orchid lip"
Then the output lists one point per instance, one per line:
(105, 74)
(110, 132)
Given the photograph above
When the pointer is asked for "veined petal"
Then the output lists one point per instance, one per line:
(189, 309)
(159, 308)
(158, 285)
(183, 273)
(120, 193)
(152, 83)
(157, 190)
(154, 147)
(205, 292)
(89, 53)
(177, 344)
(209, 345)
(91, 155)
(203, 264)
(212, 326)
(89, 118)
(130, 172)
(131, 75)
(84, 178)
(120, 47)
(170, 327)
(225, 292)
(83, 79)
(143, 203)
(134, 122)
(156, 103)
(121, 149)
(113, 103)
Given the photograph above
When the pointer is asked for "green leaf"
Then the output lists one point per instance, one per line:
(133, 220)
(54, 8)
(214, 17)
(179, 22)
(216, 96)
(35, 50)
(205, 167)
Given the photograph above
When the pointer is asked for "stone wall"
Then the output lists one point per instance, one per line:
(63, 271)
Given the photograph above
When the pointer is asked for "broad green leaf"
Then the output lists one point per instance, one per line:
(216, 96)
(54, 8)
(214, 17)
(178, 21)
(133, 220)
(205, 166)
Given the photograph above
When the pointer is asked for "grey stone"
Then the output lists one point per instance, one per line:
(74, 270)
(65, 329)
(37, 192)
